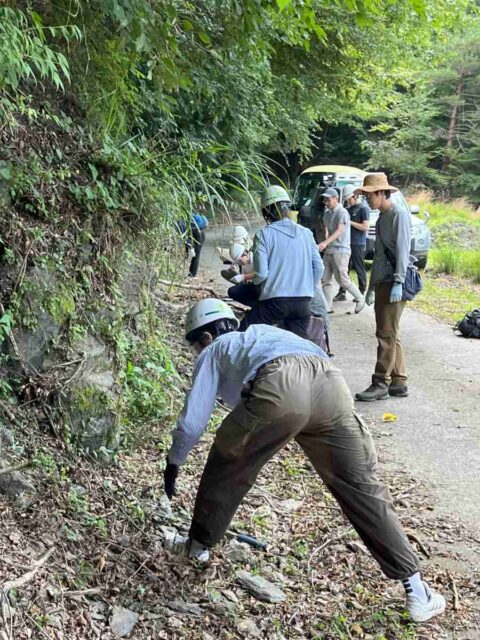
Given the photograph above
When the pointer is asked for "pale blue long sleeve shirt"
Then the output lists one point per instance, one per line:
(287, 261)
(222, 369)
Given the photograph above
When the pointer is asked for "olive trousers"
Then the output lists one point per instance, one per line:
(303, 398)
(390, 365)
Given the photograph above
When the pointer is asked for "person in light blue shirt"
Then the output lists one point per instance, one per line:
(281, 388)
(287, 267)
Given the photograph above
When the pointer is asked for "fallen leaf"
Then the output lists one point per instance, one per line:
(389, 417)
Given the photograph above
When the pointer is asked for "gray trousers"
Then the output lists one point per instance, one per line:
(306, 399)
(336, 266)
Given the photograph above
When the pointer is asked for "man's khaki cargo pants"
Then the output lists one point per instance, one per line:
(306, 398)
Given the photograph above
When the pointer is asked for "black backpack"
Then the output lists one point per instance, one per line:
(469, 326)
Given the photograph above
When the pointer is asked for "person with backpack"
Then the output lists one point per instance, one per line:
(287, 267)
(281, 388)
(390, 264)
(193, 233)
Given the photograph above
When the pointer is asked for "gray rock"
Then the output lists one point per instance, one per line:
(248, 628)
(164, 507)
(220, 605)
(79, 489)
(259, 587)
(239, 552)
(189, 608)
(122, 621)
(138, 277)
(6, 437)
(32, 344)
(290, 505)
(14, 483)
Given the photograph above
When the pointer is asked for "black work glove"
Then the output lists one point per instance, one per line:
(169, 477)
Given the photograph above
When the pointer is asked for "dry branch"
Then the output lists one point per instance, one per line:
(191, 287)
(421, 546)
(455, 592)
(26, 577)
(16, 467)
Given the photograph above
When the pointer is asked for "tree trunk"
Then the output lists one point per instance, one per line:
(447, 158)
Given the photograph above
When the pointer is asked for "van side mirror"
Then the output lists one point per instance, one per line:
(414, 208)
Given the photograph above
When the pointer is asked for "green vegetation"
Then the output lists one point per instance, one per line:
(455, 227)
(428, 134)
(447, 298)
(453, 275)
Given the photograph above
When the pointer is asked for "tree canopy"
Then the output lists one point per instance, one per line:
(203, 91)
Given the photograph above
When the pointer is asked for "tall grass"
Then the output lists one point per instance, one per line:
(455, 229)
(442, 211)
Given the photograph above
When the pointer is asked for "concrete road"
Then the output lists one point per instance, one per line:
(437, 432)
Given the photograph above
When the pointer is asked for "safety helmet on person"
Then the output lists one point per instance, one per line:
(349, 191)
(275, 203)
(240, 235)
(209, 317)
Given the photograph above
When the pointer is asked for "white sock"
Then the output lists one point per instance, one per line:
(414, 587)
(196, 546)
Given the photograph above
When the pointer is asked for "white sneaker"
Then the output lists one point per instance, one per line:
(184, 546)
(422, 611)
(359, 304)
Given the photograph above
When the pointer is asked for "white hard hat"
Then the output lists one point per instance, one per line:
(236, 251)
(348, 191)
(274, 194)
(240, 235)
(206, 311)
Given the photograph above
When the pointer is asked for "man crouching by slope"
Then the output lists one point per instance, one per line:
(282, 387)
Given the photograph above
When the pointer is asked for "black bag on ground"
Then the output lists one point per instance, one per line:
(318, 334)
(469, 326)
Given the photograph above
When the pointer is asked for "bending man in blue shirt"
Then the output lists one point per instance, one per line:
(281, 388)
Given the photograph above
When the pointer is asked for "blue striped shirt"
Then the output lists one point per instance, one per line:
(222, 369)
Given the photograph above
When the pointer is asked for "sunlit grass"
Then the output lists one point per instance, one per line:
(447, 298)
(442, 211)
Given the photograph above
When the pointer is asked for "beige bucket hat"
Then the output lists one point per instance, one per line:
(375, 182)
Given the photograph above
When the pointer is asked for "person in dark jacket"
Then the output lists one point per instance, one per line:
(359, 213)
(194, 235)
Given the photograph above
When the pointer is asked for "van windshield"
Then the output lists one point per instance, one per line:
(308, 183)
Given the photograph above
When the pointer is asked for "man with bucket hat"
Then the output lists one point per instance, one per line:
(392, 252)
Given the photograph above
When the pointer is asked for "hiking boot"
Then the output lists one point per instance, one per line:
(376, 391)
(359, 304)
(420, 611)
(185, 546)
(340, 297)
(398, 390)
(228, 273)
